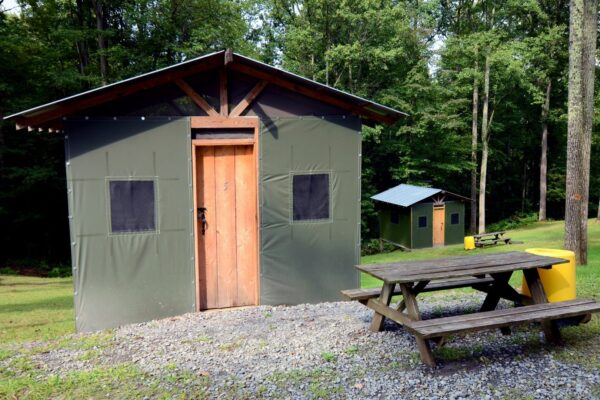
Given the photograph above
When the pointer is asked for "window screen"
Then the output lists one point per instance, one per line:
(394, 219)
(422, 221)
(454, 218)
(310, 197)
(132, 206)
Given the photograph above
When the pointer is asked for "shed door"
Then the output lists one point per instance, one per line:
(439, 213)
(227, 242)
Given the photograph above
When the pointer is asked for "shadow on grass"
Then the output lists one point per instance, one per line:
(53, 303)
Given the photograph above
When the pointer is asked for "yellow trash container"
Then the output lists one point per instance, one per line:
(469, 242)
(559, 281)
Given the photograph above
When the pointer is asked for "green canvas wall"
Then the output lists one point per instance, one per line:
(454, 234)
(309, 261)
(129, 277)
(422, 237)
(398, 233)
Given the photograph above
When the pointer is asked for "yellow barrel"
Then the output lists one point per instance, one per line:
(469, 242)
(559, 281)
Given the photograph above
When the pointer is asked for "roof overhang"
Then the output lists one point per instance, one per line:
(49, 116)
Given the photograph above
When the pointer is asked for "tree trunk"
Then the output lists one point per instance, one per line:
(582, 49)
(102, 43)
(485, 137)
(544, 157)
(82, 47)
(474, 138)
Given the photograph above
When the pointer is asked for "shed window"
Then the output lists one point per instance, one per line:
(454, 219)
(132, 206)
(394, 218)
(422, 221)
(310, 197)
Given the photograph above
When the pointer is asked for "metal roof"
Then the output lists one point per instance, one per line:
(405, 195)
(44, 114)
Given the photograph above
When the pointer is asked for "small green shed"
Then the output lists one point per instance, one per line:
(416, 217)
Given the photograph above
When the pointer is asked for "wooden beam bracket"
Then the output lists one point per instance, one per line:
(248, 99)
(196, 98)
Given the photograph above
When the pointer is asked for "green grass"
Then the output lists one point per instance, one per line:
(546, 234)
(35, 308)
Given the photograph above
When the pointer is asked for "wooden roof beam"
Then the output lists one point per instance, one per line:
(248, 99)
(313, 93)
(115, 92)
(224, 100)
(196, 98)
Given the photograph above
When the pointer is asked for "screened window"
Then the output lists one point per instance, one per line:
(454, 219)
(394, 218)
(132, 206)
(310, 197)
(422, 221)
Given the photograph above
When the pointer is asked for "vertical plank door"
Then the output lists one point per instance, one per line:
(227, 251)
(438, 225)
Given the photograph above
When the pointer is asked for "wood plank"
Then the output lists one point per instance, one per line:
(224, 142)
(246, 221)
(315, 94)
(198, 192)
(109, 93)
(439, 216)
(538, 295)
(248, 99)
(223, 97)
(196, 98)
(388, 312)
(365, 294)
(384, 299)
(209, 283)
(501, 318)
(412, 308)
(226, 232)
(222, 122)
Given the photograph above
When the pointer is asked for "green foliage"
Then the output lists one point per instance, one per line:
(517, 221)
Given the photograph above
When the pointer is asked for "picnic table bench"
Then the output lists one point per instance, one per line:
(491, 238)
(488, 273)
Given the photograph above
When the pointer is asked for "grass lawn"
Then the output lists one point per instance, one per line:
(41, 309)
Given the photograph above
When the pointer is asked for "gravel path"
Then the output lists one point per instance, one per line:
(327, 350)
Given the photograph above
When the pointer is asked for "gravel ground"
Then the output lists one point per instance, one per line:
(327, 351)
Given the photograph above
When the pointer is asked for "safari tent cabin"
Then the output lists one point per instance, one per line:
(416, 217)
(217, 182)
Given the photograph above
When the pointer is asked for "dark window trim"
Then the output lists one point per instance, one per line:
(291, 203)
(156, 229)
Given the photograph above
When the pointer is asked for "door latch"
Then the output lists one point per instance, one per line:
(202, 217)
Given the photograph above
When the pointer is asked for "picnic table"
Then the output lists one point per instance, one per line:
(491, 238)
(489, 273)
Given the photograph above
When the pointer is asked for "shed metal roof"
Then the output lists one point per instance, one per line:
(50, 114)
(406, 195)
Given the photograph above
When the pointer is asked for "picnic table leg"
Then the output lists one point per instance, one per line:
(495, 293)
(410, 299)
(384, 298)
(538, 296)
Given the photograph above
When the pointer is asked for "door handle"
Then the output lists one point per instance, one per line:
(202, 217)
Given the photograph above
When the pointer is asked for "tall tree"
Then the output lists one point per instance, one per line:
(474, 143)
(582, 39)
(486, 122)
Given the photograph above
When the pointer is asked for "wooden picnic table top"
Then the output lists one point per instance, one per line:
(480, 235)
(456, 267)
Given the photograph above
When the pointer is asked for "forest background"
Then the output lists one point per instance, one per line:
(484, 83)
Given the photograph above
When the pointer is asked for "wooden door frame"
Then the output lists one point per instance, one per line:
(438, 207)
(225, 123)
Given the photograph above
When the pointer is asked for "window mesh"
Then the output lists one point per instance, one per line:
(422, 222)
(310, 197)
(454, 218)
(132, 206)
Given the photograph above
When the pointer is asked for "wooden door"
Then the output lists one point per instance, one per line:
(227, 240)
(439, 213)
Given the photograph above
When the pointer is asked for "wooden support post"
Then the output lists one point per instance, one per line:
(223, 92)
(384, 298)
(538, 296)
(246, 101)
(196, 98)
(413, 312)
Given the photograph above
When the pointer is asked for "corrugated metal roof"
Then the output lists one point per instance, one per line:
(405, 195)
